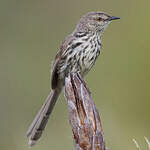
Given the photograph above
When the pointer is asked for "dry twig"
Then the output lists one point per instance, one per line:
(148, 142)
(137, 146)
(83, 115)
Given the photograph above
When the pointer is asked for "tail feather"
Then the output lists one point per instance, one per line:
(35, 130)
(37, 117)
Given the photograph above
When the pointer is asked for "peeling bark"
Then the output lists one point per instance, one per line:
(83, 115)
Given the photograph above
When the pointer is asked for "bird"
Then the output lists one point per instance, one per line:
(77, 53)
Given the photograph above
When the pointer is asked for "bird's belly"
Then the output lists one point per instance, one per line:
(81, 59)
(88, 65)
(89, 59)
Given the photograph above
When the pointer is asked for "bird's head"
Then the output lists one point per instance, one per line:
(95, 21)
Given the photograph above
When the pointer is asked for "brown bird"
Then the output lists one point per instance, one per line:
(77, 53)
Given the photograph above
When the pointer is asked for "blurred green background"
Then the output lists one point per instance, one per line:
(30, 34)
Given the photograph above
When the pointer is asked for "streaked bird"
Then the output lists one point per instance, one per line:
(77, 53)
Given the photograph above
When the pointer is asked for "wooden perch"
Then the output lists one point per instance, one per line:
(83, 115)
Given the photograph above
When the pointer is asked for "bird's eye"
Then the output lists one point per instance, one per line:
(99, 19)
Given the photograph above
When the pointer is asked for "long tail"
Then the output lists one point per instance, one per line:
(36, 128)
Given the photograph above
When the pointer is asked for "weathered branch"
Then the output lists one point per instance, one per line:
(83, 115)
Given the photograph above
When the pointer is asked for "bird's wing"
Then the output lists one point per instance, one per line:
(60, 56)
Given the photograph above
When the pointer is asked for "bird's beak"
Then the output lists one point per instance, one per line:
(112, 18)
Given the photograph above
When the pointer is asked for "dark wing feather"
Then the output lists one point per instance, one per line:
(58, 59)
(54, 75)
